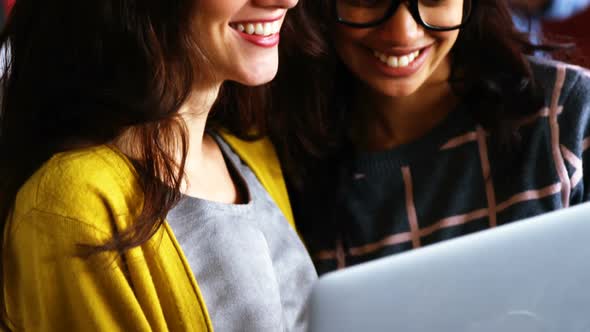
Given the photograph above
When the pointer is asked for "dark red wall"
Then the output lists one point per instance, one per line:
(577, 27)
(7, 5)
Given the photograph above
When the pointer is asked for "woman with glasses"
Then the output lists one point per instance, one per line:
(419, 121)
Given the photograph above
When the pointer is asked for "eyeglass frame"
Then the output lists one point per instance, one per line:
(414, 11)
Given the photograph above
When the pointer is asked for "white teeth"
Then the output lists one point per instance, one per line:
(395, 61)
(250, 28)
(391, 61)
(404, 61)
(267, 29)
(261, 29)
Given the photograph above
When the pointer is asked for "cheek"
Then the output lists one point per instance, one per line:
(216, 8)
(440, 63)
(213, 37)
(344, 36)
(347, 42)
(449, 37)
(213, 16)
(446, 41)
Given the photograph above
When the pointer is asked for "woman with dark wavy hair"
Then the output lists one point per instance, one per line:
(134, 195)
(425, 120)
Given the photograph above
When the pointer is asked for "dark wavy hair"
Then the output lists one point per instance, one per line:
(489, 70)
(84, 73)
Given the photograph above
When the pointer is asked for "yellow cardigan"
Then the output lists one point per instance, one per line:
(83, 197)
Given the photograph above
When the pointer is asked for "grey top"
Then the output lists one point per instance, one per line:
(253, 270)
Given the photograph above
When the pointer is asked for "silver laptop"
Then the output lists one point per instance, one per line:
(532, 275)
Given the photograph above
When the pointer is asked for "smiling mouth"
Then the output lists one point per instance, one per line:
(398, 61)
(258, 28)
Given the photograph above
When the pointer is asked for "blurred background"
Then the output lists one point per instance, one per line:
(576, 27)
(566, 21)
(6, 5)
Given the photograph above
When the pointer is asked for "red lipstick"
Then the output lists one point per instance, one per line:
(262, 41)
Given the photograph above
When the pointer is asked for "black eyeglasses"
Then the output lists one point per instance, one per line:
(436, 15)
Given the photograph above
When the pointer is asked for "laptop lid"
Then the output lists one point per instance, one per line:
(532, 275)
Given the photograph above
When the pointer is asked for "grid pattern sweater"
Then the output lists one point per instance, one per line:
(451, 182)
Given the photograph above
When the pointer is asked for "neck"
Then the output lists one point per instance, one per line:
(205, 171)
(393, 121)
(206, 174)
(201, 148)
(194, 112)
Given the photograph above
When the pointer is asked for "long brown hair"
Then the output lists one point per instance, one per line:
(82, 73)
(490, 71)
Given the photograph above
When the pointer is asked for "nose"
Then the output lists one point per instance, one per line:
(287, 4)
(401, 28)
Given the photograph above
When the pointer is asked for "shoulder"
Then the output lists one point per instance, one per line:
(261, 157)
(90, 185)
(259, 154)
(256, 151)
(567, 99)
(562, 84)
(551, 74)
(548, 71)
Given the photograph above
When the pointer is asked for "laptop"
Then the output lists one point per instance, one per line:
(532, 275)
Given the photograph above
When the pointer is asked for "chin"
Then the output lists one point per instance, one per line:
(394, 90)
(257, 79)
(258, 73)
